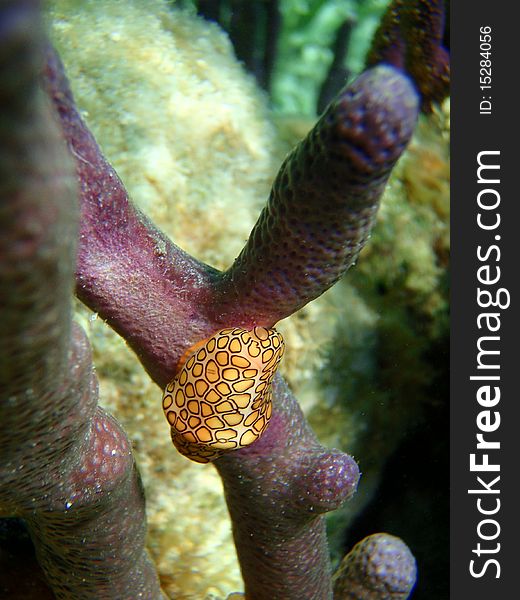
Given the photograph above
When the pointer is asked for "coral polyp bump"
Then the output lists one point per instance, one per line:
(220, 399)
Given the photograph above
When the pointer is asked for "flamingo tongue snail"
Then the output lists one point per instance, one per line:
(220, 399)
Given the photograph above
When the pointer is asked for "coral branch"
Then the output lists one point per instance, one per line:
(337, 74)
(38, 237)
(66, 466)
(149, 290)
(162, 301)
(317, 220)
(276, 491)
(411, 37)
(380, 567)
(323, 203)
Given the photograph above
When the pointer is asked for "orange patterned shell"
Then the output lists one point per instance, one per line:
(220, 400)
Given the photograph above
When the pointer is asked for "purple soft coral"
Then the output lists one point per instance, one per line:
(66, 467)
(163, 301)
(380, 566)
(411, 37)
(323, 203)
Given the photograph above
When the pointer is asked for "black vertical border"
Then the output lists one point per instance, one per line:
(471, 134)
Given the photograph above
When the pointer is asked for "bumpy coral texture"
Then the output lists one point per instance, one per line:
(380, 566)
(276, 488)
(66, 466)
(308, 235)
(163, 301)
(411, 37)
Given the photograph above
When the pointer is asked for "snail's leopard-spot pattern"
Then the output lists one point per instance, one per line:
(220, 400)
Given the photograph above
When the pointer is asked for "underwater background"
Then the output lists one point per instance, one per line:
(197, 136)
